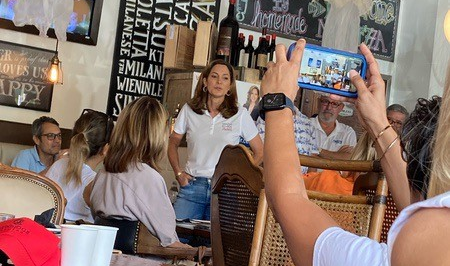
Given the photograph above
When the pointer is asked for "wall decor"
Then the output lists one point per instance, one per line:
(23, 77)
(296, 19)
(83, 27)
(139, 49)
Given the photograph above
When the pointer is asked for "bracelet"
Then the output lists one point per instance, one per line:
(389, 147)
(179, 174)
(382, 132)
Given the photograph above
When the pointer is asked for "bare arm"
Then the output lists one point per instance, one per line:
(257, 147)
(172, 153)
(371, 104)
(285, 189)
(344, 153)
(424, 240)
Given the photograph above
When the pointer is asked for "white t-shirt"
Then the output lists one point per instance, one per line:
(76, 207)
(206, 137)
(335, 246)
(341, 135)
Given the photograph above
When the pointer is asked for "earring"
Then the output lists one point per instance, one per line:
(204, 89)
(228, 93)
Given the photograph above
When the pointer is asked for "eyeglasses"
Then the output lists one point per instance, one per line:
(395, 122)
(52, 136)
(326, 102)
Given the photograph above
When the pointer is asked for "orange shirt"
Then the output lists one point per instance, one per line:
(329, 181)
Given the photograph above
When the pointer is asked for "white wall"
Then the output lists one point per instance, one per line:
(87, 71)
(418, 70)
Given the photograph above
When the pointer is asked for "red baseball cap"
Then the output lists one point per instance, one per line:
(28, 243)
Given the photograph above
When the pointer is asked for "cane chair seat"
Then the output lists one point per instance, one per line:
(26, 194)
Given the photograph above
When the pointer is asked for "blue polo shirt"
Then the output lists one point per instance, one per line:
(29, 160)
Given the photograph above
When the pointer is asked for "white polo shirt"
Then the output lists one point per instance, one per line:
(341, 135)
(206, 137)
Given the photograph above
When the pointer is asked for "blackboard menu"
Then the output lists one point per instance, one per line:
(138, 55)
(306, 18)
(23, 77)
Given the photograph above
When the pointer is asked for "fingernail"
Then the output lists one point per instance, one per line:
(352, 73)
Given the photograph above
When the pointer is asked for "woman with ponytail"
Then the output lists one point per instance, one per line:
(88, 148)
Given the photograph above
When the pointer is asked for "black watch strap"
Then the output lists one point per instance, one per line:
(287, 103)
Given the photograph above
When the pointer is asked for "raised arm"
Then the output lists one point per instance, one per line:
(371, 106)
(302, 221)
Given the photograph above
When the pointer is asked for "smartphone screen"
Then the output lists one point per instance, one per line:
(327, 70)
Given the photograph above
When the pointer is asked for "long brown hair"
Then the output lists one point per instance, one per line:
(199, 103)
(91, 133)
(140, 135)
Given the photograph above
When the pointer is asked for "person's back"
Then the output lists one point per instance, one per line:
(88, 148)
(129, 187)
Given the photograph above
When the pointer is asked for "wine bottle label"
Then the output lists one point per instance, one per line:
(224, 42)
(262, 60)
(244, 59)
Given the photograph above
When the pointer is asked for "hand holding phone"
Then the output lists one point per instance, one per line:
(327, 70)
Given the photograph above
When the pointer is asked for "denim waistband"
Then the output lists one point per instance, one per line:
(201, 179)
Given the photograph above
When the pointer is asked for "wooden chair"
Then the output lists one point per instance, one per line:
(235, 190)
(358, 214)
(366, 185)
(26, 194)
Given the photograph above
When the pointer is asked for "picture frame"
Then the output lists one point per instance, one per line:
(83, 28)
(23, 77)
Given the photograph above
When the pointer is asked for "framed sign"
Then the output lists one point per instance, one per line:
(294, 19)
(137, 67)
(23, 77)
(83, 26)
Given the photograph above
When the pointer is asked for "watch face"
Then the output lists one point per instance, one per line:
(274, 101)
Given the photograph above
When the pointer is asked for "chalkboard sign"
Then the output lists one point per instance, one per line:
(294, 19)
(23, 77)
(141, 35)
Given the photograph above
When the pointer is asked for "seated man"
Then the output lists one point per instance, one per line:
(397, 115)
(304, 132)
(47, 137)
(335, 140)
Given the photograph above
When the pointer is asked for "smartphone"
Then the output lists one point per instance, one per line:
(327, 70)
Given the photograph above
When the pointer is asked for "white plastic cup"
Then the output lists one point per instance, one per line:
(6, 216)
(77, 245)
(104, 244)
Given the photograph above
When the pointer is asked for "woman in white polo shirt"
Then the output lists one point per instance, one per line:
(211, 120)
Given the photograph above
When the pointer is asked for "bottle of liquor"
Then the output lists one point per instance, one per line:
(228, 35)
(272, 47)
(240, 50)
(248, 54)
(174, 117)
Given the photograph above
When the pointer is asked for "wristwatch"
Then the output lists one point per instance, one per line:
(274, 101)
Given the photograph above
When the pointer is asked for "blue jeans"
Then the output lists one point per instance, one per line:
(193, 201)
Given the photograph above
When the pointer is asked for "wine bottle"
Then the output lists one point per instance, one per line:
(256, 52)
(272, 47)
(228, 35)
(248, 54)
(174, 117)
(240, 50)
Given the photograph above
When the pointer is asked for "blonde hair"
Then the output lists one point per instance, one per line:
(140, 135)
(440, 167)
(91, 133)
(364, 149)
